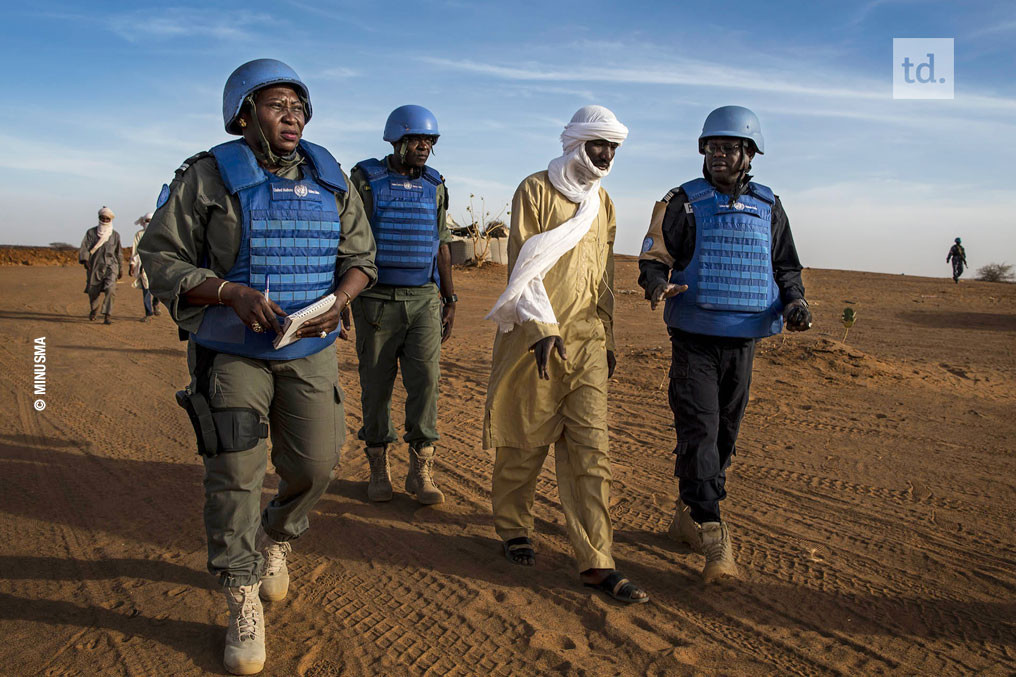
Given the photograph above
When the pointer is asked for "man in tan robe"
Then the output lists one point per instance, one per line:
(101, 255)
(534, 399)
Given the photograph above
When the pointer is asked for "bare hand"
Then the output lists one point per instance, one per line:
(346, 321)
(541, 351)
(611, 363)
(666, 291)
(251, 306)
(325, 322)
(447, 320)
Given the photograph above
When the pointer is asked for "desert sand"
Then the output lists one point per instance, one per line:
(871, 505)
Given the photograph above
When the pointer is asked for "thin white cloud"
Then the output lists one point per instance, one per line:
(781, 80)
(334, 73)
(683, 72)
(179, 22)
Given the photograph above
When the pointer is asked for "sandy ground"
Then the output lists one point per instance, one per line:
(871, 504)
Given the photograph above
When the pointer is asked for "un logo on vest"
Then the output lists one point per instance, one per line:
(300, 190)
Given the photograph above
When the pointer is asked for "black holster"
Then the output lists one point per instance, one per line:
(219, 430)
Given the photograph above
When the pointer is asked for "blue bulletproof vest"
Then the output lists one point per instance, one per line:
(290, 239)
(731, 288)
(404, 221)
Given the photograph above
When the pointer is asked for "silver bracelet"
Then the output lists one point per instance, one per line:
(218, 292)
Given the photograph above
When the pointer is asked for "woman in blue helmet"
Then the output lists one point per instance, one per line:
(252, 230)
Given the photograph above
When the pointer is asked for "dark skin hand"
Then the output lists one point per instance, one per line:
(444, 267)
(611, 363)
(352, 283)
(281, 116)
(250, 305)
(542, 350)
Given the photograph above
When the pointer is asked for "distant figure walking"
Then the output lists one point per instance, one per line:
(100, 255)
(958, 256)
(138, 272)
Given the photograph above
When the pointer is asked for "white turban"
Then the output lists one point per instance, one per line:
(143, 220)
(575, 176)
(104, 229)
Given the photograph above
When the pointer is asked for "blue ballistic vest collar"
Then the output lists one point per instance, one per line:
(404, 221)
(239, 167)
(731, 288)
(290, 237)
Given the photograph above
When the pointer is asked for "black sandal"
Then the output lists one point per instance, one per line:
(517, 549)
(620, 588)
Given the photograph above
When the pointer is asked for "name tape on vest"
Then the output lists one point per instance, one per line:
(298, 191)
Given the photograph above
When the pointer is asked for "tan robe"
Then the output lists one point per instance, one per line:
(523, 410)
(524, 414)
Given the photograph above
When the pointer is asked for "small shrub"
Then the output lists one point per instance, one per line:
(995, 272)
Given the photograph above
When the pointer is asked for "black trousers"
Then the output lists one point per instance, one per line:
(709, 381)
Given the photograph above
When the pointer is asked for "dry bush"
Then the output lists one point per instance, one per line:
(995, 272)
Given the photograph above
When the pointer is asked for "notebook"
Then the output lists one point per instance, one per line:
(295, 320)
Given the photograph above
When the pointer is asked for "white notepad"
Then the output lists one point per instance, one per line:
(295, 320)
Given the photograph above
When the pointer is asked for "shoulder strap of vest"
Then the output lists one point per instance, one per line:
(697, 189)
(237, 165)
(432, 175)
(372, 168)
(326, 167)
(764, 193)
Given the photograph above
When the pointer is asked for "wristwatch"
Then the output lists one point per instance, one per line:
(449, 299)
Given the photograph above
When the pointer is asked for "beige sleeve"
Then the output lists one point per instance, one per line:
(526, 223)
(653, 247)
(605, 300)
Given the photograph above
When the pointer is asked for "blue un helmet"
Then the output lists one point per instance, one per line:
(249, 78)
(406, 120)
(736, 121)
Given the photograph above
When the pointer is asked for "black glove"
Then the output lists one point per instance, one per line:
(797, 316)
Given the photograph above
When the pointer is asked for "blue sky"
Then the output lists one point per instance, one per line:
(105, 100)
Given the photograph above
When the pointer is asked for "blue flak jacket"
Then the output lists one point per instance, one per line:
(404, 221)
(290, 233)
(731, 288)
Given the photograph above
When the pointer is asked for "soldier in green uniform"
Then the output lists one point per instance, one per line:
(266, 211)
(405, 318)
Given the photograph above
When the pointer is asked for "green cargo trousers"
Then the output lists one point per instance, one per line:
(402, 329)
(302, 402)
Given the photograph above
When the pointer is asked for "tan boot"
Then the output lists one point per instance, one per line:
(245, 637)
(719, 555)
(419, 480)
(684, 529)
(379, 486)
(274, 571)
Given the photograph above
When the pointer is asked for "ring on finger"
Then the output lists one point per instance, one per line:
(323, 334)
(256, 327)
